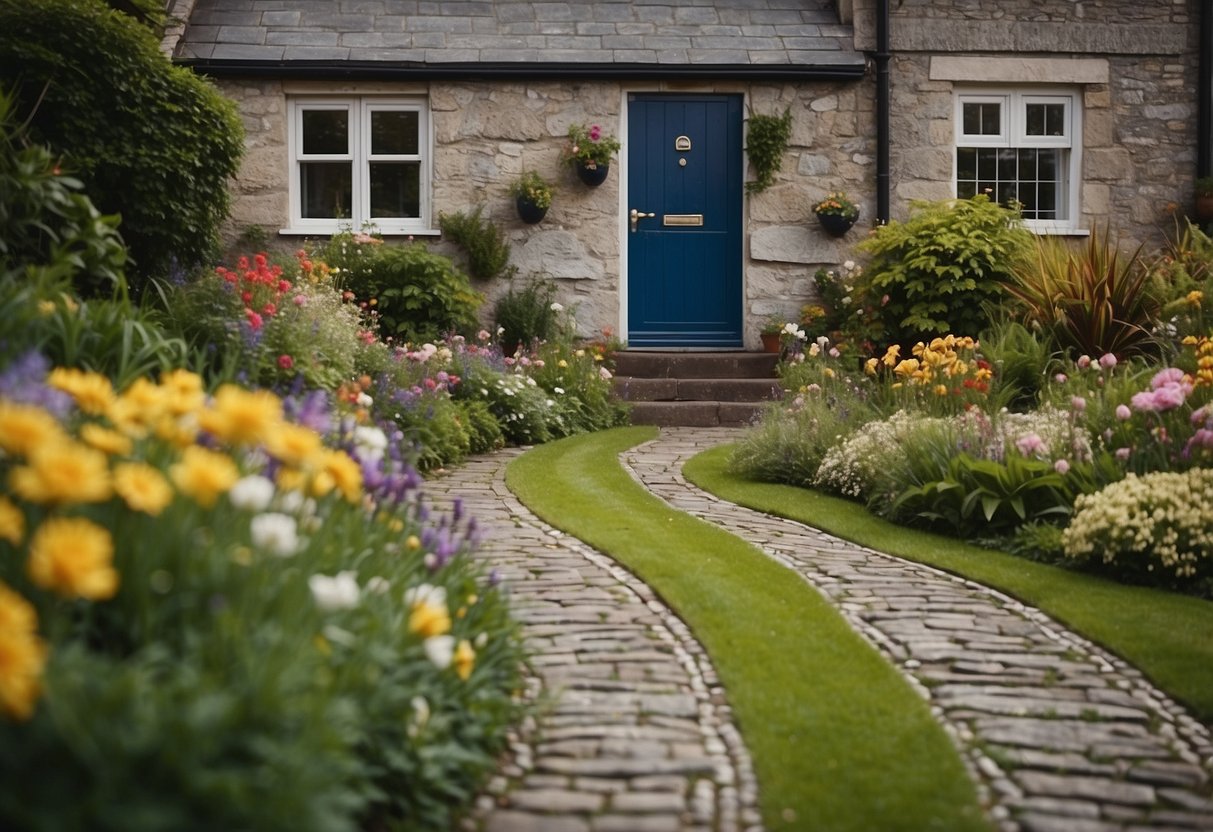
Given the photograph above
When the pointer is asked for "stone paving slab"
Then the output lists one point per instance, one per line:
(1058, 734)
(632, 731)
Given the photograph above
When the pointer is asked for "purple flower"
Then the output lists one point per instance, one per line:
(1060, 378)
(24, 381)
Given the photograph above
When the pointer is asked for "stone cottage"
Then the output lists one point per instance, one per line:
(388, 112)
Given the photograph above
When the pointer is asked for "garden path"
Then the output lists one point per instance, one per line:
(1059, 734)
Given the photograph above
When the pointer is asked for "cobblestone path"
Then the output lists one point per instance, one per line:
(1059, 734)
(633, 733)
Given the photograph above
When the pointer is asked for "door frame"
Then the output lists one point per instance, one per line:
(622, 225)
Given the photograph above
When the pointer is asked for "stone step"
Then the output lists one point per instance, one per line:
(684, 365)
(703, 414)
(634, 389)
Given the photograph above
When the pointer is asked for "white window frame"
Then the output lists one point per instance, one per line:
(1014, 135)
(360, 109)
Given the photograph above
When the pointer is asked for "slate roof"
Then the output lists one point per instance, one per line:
(523, 36)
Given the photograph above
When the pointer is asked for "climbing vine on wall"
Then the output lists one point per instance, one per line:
(768, 139)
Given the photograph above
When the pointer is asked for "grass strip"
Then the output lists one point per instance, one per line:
(1168, 636)
(839, 739)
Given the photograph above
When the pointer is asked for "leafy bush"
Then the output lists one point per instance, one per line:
(580, 386)
(1181, 279)
(942, 268)
(1155, 528)
(487, 250)
(152, 142)
(228, 650)
(529, 315)
(1091, 301)
(1020, 362)
(420, 296)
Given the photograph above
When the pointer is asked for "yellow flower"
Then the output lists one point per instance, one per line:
(465, 659)
(142, 487)
(344, 473)
(869, 366)
(294, 444)
(1195, 297)
(891, 354)
(63, 472)
(204, 474)
(139, 407)
(24, 427)
(74, 557)
(105, 440)
(182, 391)
(22, 655)
(242, 416)
(93, 392)
(412, 543)
(941, 390)
(46, 307)
(1189, 341)
(907, 367)
(828, 372)
(12, 522)
(428, 619)
(290, 479)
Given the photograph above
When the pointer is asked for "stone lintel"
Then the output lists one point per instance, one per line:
(1027, 37)
(1019, 70)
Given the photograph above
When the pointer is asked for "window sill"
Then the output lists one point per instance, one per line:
(1053, 230)
(329, 232)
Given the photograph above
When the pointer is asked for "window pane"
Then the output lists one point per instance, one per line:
(327, 189)
(982, 119)
(1006, 164)
(966, 164)
(987, 163)
(394, 132)
(1027, 164)
(1046, 119)
(326, 132)
(395, 189)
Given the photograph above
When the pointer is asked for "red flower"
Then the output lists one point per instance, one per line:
(253, 318)
(285, 361)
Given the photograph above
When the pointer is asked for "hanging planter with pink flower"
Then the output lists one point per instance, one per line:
(590, 151)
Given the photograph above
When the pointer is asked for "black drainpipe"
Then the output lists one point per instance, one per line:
(883, 99)
(1204, 136)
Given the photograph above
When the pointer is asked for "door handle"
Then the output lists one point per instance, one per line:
(637, 216)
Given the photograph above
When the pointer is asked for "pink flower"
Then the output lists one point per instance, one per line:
(1123, 413)
(1123, 453)
(1060, 378)
(1030, 444)
(1084, 361)
(483, 335)
(1107, 361)
(254, 319)
(1171, 375)
(1078, 403)
(285, 361)
(595, 132)
(1062, 467)
(299, 300)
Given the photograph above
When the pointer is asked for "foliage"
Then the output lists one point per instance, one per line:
(1090, 301)
(938, 271)
(1019, 361)
(487, 250)
(836, 204)
(766, 141)
(152, 142)
(849, 315)
(1204, 186)
(533, 188)
(590, 145)
(420, 296)
(791, 441)
(228, 650)
(48, 229)
(528, 315)
(1156, 528)
(579, 382)
(1181, 279)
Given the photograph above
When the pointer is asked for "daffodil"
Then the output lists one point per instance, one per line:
(73, 557)
(294, 444)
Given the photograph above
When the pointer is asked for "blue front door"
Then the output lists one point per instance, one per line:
(684, 261)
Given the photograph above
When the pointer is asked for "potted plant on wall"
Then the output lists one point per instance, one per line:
(590, 151)
(772, 329)
(836, 213)
(532, 196)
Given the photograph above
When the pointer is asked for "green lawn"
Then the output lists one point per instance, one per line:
(1169, 637)
(839, 739)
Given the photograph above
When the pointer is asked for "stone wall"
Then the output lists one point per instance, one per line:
(1136, 64)
(486, 134)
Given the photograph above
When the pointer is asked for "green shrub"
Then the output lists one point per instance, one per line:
(1020, 361)
(487, 251)
(484, 434)
(151, 142)
(942, 268)
(1087, 301)
(580, 385)
(420, 296)
(1155, 528)
(529, 315)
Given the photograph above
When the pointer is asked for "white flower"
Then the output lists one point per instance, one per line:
(823, 341)
(425, 594)
(559, 391)
(440, 650)
(604, 374)
(252, 493)
(849, 265)
(339, 592)
(370, 442)
(378, 585)
(556, 307)
(276, 533)
(421, 715)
